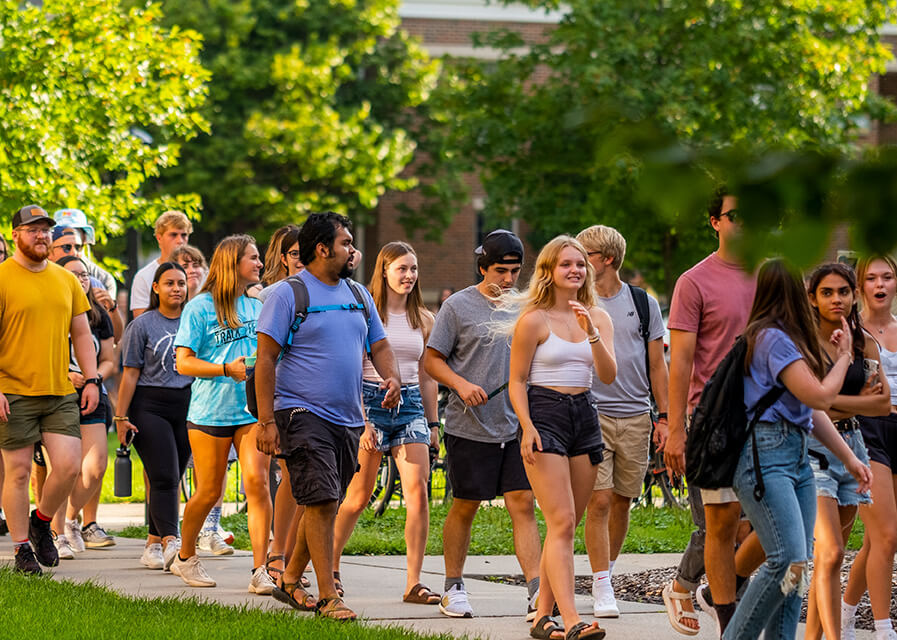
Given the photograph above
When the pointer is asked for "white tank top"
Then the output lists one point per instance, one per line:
(408, 346)
(889, 366)
(561, 363)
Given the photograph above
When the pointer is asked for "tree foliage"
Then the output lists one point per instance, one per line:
(555, 134)
(309, 106)
(76, 77)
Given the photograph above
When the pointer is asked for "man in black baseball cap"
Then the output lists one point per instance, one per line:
(499, 247)
(29, 214)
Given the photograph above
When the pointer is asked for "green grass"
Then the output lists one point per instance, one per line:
(41, 607)
(138, 492)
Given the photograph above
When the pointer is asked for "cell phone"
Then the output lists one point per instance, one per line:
(870, 368)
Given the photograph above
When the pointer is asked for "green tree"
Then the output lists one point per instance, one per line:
(310, 109)
(77, 78)
(559, 133)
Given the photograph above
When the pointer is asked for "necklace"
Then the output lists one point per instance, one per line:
(566, 322)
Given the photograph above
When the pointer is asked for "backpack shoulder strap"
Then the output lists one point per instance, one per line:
(363, 301)
(640, 299)
(300, 297)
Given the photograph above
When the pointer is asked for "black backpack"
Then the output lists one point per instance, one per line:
(300, 295)
(720, 428)
(640, 299)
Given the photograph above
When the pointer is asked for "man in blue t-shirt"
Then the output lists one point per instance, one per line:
(309, 402)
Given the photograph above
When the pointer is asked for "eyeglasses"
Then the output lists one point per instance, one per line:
(67, 248)
(82, 275)
(731, 214)
(294, 254)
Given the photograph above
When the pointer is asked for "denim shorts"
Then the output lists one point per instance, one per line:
(567, 424)
(836, 482)
(405, 424)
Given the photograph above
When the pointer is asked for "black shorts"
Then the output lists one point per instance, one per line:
(880, 436)
(484, 470)
(223, 431)
(101, 415)
(567, 424)
(321, 456)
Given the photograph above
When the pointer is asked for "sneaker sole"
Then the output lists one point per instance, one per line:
(151, 566)
(100, 545)
(606, 613)
(223, 552)
(450, 614)
(261, 591)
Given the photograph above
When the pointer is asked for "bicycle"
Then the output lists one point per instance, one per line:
(673, 494)
(389, 484)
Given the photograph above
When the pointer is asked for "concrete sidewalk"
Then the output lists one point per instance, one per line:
(374, 588)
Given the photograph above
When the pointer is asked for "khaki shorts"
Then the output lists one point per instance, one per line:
(30, 416)
(723, 495)
(627, 443)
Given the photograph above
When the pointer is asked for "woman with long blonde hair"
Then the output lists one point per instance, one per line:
(216, 334)
(406, 433)
(560, 338)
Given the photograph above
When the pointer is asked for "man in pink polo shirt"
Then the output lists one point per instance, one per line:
(710, 307)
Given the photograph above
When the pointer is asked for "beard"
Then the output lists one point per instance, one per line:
(347, 271)
(36, 252)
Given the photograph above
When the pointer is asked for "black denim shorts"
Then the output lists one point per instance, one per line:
(321, 456)
(567, 424)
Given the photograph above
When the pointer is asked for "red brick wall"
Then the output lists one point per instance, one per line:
(459, 31)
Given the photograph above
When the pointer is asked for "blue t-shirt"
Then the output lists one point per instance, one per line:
(218, 401)
(773, 352)
(322, 371)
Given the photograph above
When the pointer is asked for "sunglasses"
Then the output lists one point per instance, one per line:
(732, 215)
(67, 248)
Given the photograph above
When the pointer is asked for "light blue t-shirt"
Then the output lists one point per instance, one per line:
(322, 370)
(218, 401)
(773, 352)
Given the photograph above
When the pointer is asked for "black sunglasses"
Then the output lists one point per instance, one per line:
(68, 247)
(731, 214)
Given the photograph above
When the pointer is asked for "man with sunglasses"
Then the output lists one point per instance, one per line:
(710, 307)
(41, 305)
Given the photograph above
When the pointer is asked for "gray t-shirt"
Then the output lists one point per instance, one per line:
(627, 395)
(148, 344)
(461, 333)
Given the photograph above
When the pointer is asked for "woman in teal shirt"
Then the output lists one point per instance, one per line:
(216, 334)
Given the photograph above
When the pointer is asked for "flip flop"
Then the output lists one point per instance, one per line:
(544, 628)
(673, 602)
(419, 594)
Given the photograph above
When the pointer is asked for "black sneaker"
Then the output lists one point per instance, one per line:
(42, 540)
(26, 562)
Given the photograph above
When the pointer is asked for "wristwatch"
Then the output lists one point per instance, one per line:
(96, 381)
(662, 415)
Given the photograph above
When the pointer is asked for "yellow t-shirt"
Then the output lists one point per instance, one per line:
(36, 311)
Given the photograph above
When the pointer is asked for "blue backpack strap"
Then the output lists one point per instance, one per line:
(300, 297)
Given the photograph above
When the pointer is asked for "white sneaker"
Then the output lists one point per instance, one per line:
(152, 556)
(261, 583)
(73, 535)
(63, 549)
(214, 543)
(704, 597)
(849, 628)
(455, 604)
(192, 572)
(605, 604)
(888, 634)
(170, 553)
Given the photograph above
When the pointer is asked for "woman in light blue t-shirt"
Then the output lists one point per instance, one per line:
(783, 349)
(216, 334)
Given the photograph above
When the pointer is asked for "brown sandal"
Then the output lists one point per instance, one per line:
(274, 572)
(419, 594)
(286, 593)
(338, 585)
(335, 609)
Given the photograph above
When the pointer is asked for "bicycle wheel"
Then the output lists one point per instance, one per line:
(392, 486)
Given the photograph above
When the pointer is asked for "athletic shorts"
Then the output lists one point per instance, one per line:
(880, 436)
(30, 416)
(321, 456)
(567, 423)
(484, 470)
(225, 431)
(836, 482)
(627, 445)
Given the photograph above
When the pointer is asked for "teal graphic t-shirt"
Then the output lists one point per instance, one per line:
(218, 401)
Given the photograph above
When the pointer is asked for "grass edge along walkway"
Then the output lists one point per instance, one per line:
(32, 607)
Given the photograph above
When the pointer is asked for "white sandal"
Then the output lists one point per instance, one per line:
(675, 612)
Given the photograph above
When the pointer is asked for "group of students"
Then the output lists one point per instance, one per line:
(197, 333)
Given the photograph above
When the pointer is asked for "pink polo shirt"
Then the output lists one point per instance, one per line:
(712, 299)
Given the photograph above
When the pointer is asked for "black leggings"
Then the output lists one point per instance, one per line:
(160, 415)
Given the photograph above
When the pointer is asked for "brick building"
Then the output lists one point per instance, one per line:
(445, 28)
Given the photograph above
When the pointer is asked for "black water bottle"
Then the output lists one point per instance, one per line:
(123, 472)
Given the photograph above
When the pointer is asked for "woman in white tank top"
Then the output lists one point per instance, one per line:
(560, 338)
(408, 432)
(874, 564)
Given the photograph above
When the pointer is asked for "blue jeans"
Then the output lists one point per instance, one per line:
(783, 520)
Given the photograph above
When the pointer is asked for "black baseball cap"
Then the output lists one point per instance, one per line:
(30, 213)
(499, 244)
